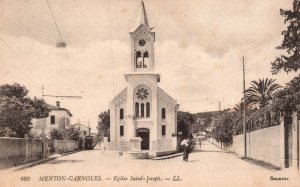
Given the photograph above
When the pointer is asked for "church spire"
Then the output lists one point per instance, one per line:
(142, 43)
(142, 17)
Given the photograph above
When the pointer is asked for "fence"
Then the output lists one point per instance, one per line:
(16, 151)
(262, 118)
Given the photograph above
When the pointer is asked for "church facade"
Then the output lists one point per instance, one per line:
(143, 109)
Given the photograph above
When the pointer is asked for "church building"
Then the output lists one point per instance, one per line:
(143, 109)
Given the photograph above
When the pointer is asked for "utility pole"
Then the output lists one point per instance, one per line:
(43, 121)
(89, 127)
(244, 116)
(189, 130)
(43, 129)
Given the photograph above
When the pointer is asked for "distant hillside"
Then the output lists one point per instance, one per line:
(206, 114)
(203, 120)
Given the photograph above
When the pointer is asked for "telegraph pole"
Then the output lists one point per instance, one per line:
(244, 116)
(89, 127)
(43, 121)
(43, 128)
(189, 131)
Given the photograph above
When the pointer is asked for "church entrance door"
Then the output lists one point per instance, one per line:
(144, 134)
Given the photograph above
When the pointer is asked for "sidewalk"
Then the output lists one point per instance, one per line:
(34, 163)
(37, 162)
(167, 156)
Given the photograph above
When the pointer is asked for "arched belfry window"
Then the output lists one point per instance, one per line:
(145, 59)
(147, 110)
(139, 60)
(163, 113)
(137, 109)
(121, 114)
(142, 110)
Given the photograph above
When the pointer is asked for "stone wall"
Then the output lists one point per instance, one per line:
(263, 144)
(64, 146)
(15, 151)
(278, 145)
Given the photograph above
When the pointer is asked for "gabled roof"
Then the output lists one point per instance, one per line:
(123, 94)
(51, 107)
(164, 93)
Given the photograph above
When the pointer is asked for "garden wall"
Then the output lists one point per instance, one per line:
(263, 144)
(15, 151)
(64, 146)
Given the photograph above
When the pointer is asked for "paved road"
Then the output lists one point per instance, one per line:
(209, 167)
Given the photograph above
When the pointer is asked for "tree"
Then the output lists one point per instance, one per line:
(65, 134)
(224, 127)
(72, 134)
(288, 98)
(104, 124)
(261, 91)
(14, 90)
(57, 134)
(291, 41)
(183, 121)
(41, 108)
(17, 110)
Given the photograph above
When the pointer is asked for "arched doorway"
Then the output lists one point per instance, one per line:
(144, 134)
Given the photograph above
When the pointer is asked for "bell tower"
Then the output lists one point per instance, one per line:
(142, 43)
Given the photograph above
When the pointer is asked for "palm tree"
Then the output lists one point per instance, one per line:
(261, 91)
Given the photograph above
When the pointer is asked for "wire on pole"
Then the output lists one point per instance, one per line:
(54, 21)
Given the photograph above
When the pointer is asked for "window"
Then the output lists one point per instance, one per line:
(163, 130)
(52, 120)
(163, 113)
(121, 114)
(147, 109)
(136, 109)
(84, 133)
(142, 110)
(122, 130)
(138, 59)
(142, 93)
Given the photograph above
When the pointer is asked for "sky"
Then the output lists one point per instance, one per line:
(198, 49)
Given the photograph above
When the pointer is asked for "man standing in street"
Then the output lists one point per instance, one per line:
(185, 143)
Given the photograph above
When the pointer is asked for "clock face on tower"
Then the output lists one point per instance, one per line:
(142, 42)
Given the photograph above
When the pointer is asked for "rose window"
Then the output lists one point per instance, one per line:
(142, 93)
